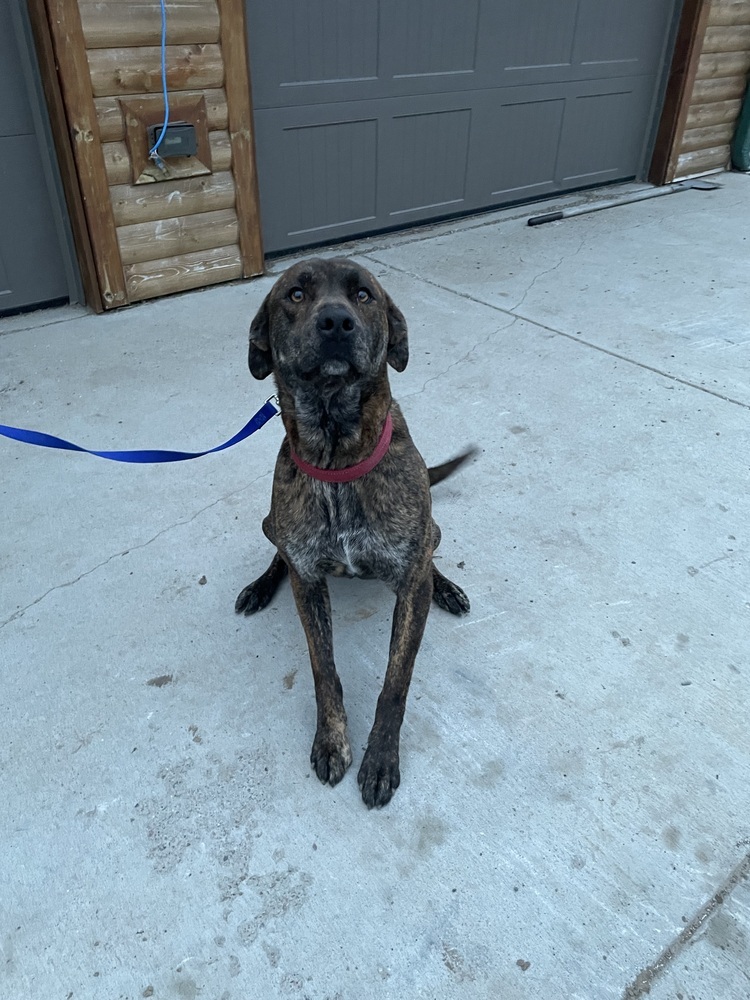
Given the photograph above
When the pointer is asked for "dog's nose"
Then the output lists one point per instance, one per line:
(335, 321)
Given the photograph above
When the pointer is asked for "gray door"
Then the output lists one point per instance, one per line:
(372, 114)
(36, 265)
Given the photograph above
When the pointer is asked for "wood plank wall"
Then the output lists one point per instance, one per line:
(173, 235)
(721, 74)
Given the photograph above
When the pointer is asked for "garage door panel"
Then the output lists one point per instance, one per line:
(323, 51)
(326, 185)
(314, 51)
(529, 40)
(564, 41)
(424, 38)
(30, 267)
(602, 136)
(515, 145)
(372, 114)
(612, 34)
(425, 162)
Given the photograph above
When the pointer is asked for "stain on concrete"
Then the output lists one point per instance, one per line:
(725, 933)
(185, 989)
(490, 774)
(632, 742)
(455, 963)
(158, 682)
(671, 837)
(523, 965)
(431, 833)
(362, 613)
(289, 679)
(272, 954)
(208, 804)
(276, 895)
(193, 730)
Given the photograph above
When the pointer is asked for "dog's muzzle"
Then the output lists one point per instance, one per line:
(338, 333)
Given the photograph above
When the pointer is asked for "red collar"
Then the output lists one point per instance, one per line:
(352, 471)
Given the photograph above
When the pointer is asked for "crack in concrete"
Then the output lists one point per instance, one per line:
(83, 314)
(132, 548)
(562, 333)
(542, 274)
(639, 364)
(645, 978)
(465, 357)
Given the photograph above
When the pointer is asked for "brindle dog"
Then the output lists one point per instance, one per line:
(327, 331)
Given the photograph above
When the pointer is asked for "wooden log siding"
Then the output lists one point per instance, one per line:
(708, 137)
(112, 125)
(716, 96)
(171, 199)
(139, 23)
(704, 93)
(182, 272)
(711, 91)
(119, 168)
(170, 237)
(70, 55)
(721, 38)
(234, 47)
(721, 64)
(138, 70)
(716, 113)
(173, 235)
(730, 12)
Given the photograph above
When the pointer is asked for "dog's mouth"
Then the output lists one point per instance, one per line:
(335, 367)
(330, 369)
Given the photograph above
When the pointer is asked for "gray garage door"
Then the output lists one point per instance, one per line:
(36, 256)
(372, 114)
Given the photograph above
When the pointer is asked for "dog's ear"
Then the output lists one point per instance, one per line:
(398, 341)
(259, 358)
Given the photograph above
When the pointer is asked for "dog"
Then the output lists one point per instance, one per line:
(351, 493)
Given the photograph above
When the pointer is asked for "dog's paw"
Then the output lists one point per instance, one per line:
(331, 755)
(379, 776)
(253, 598)
(259, 593)
(448, 596)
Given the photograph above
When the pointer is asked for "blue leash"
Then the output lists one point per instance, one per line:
(146, 456)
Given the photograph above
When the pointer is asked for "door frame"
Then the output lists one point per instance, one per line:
(682, 72)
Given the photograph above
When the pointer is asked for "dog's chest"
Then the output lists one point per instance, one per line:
(339, 539)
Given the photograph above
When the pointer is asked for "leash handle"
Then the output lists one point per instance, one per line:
(144, 456)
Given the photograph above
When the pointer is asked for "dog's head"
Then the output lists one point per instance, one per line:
(327, 323)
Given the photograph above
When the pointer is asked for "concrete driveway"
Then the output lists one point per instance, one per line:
(574, 815)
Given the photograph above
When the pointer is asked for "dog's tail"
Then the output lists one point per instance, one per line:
(440, 472)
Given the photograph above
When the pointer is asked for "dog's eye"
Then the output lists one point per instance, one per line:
(363, 295)
(296, 295)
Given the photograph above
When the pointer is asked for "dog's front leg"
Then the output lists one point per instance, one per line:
(379, 775)
(331, 754)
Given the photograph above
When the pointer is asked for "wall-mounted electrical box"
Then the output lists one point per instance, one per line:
(179, 139)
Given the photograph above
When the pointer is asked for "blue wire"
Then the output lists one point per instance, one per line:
(153, 151)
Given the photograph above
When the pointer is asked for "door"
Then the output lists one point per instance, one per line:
(36, 260)
(373, 114)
